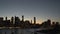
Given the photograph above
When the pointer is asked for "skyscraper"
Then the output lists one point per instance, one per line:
(6, 18)
(22, 17)
(12, 20)
(34, 20)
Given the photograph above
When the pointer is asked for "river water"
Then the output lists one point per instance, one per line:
(18, 31)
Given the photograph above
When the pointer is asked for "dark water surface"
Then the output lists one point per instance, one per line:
(21, 31)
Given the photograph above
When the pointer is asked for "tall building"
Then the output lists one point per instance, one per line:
(1, 21)
(22, 17)
(49, 22)
(34, 20)
(12, 20)
(6, 18)
(17, 21)
(1, 18)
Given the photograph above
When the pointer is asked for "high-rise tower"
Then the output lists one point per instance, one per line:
(6, 18)
(12, 20)
(34, 20)
(22, 17)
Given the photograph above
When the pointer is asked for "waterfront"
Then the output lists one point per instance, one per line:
(21, 31)
(16, 31)
(26, 27)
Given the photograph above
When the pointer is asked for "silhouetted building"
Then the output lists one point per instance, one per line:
(44, 24)
(6, 23)
(48, 22)
(57, 26)
(53, 24)
(27, 24)
(34, 20)
(1, 21)
(57, 23)
(17, 21)
(12, 20)
(1, 18)
(6, 18)
(23, 18)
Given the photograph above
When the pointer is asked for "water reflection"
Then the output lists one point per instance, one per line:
(23, 31)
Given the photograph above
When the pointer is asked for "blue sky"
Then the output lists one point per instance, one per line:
(41, 9)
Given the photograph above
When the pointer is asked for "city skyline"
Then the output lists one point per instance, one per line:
(17, 22)
(41, 9)
(21, 19)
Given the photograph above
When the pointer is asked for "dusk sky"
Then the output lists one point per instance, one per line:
(41, 9)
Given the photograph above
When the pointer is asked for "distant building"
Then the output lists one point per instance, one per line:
(48, 22)
(6, 23)
(53, 23)
(23, 18)
(12, 20)
(17, 21)
(57, 23)
(6, 18)
(1, 18)
(34, 20)
(27, 24)
(1, 21)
